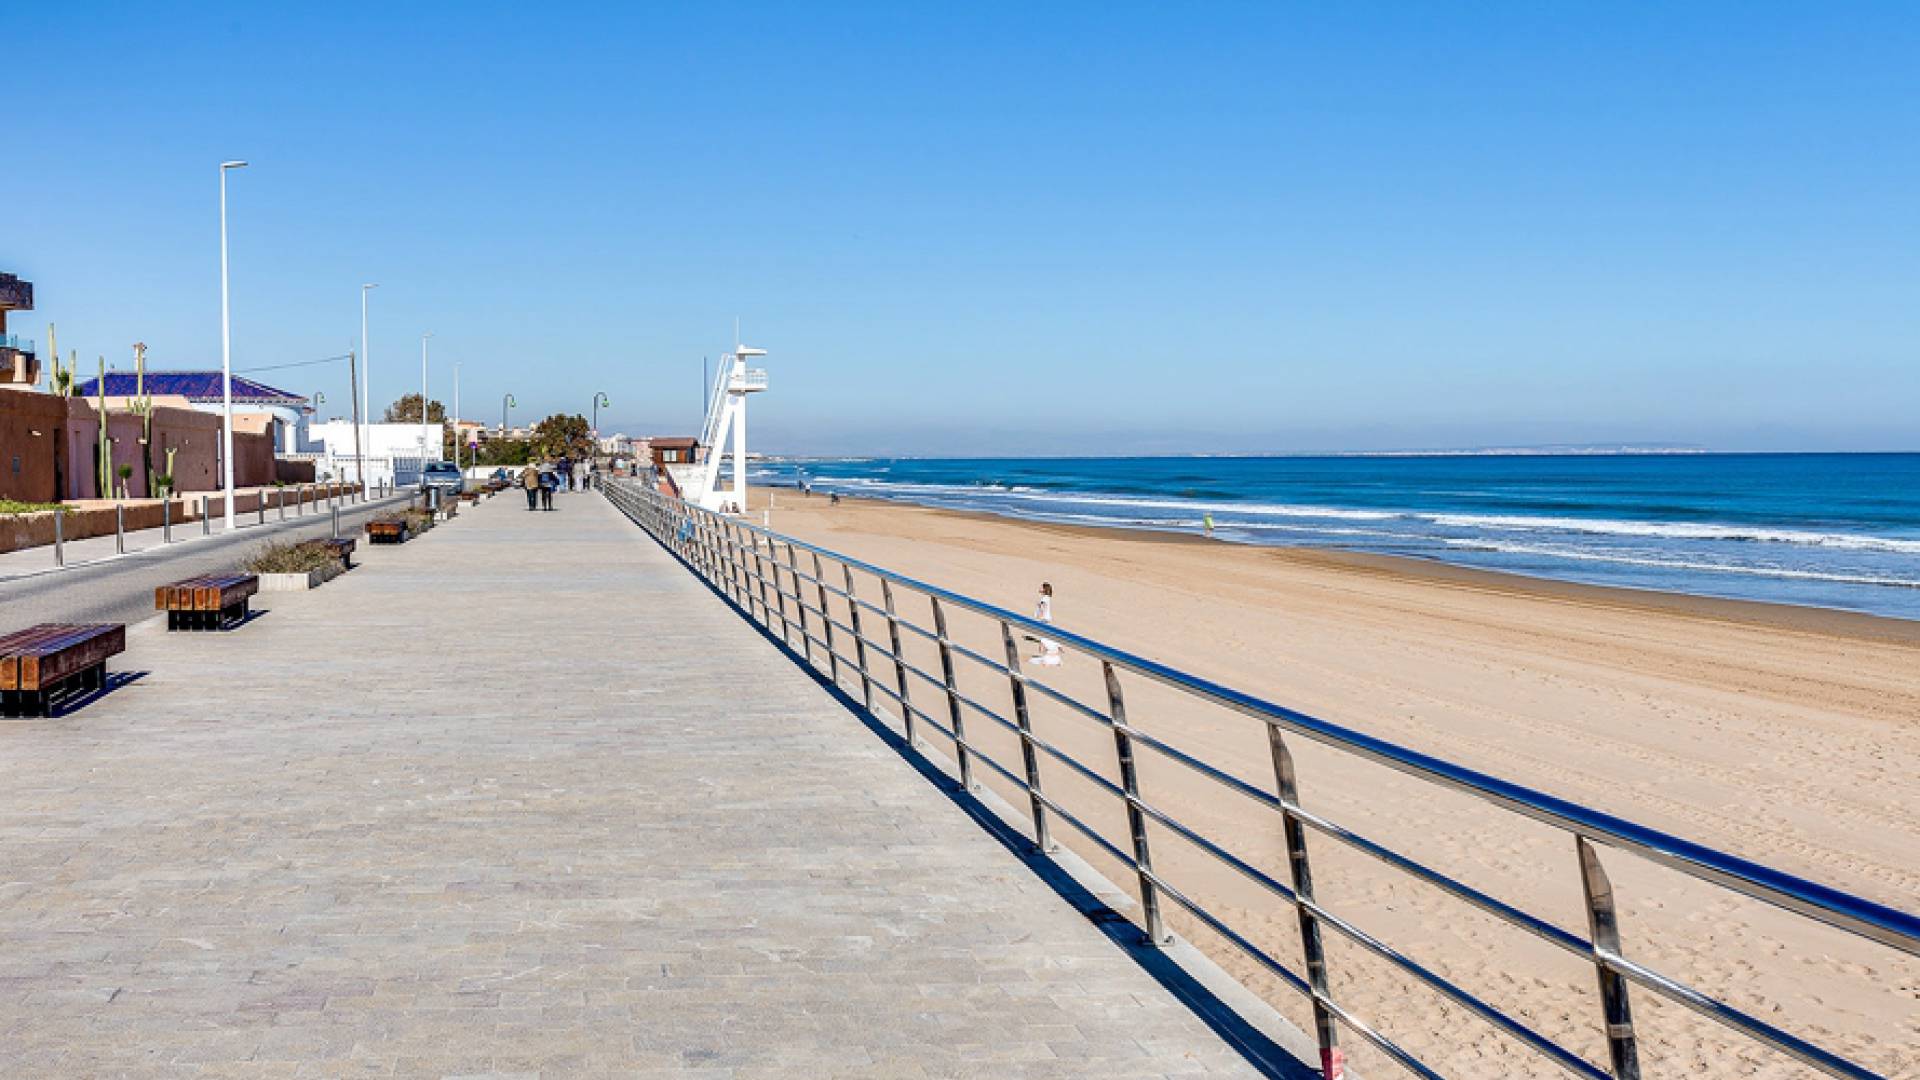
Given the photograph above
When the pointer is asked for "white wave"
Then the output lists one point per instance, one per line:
(1674, 530)
(1680, 564)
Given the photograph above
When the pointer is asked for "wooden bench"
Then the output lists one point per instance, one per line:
(388, 532)
(470, 496)
(52, 660)
(207, 602)
(340, 547)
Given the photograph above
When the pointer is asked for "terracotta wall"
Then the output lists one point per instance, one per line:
(29, 429)
(50, 435)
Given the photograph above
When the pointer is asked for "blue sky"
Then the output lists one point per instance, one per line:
(1022, 228)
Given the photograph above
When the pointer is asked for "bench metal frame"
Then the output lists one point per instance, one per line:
(756, 569)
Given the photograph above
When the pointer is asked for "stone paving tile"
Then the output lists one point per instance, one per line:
(524, 800)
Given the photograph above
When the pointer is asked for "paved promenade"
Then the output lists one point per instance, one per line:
(522, 798)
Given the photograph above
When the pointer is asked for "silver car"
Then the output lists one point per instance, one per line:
(444, 475)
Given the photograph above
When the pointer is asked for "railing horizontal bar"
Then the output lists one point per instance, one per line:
(1540, 928)
(1567, 1060)
(1224, 779)
(1727, 1015)
(1245, 869)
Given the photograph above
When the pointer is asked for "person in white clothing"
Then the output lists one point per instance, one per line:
(1049, 654)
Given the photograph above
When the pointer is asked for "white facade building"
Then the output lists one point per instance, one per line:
(394, 452)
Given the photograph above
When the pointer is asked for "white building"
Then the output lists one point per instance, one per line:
(394, 452)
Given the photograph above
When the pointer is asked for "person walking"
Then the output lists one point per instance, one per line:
(530, 479)
(548, 481)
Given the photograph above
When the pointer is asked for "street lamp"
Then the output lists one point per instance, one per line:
(599, 400)
(226, 347)
(506, 403)
(366, 368)
(455, 418)
(423, 400)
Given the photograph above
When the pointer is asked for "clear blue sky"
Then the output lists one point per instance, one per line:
(1019, 228)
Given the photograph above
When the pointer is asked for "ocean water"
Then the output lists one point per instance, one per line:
(1827, 530)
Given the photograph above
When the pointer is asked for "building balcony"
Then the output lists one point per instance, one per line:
(19, 366)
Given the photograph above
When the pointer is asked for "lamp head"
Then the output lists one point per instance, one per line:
(233, 164)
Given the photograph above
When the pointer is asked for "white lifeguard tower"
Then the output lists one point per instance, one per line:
(727, 415)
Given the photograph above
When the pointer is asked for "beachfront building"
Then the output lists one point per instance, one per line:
(286, 413)
(19, 364)
(393, 453)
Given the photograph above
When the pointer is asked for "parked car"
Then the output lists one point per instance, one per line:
(444, 475)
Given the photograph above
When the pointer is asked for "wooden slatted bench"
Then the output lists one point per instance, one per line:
(53, 660)
(387, 532)
(340, 547)
(207, 602)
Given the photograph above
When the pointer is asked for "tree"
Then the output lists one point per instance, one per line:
(560, 435)
(407, 411)
(504, 452)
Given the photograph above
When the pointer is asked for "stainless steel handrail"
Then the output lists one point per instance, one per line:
(733, 555)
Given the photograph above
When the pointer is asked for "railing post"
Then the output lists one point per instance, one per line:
(953, 695)
(826, 618)
(59, 537)
(759, 575)
(1136, 818)
(799, 604)
(899, 661)
(120, 528)
(1603, 920)
(786, 626)
(859, 639)
(1332, 1064)
(1029, 755)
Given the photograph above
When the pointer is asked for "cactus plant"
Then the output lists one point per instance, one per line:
(106, 449)
(142, 406)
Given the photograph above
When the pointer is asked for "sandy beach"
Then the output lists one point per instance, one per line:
(1788, 736)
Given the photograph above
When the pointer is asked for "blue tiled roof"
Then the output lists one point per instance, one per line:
(192, 385)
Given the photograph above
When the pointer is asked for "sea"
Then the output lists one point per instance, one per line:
(1823, 530)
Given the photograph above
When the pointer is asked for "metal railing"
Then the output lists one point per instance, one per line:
(16, 343)
(764, 575)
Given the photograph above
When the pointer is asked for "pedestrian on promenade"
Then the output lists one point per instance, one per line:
(530, 479)
(548, 481)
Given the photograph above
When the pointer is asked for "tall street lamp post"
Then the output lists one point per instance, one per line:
(366, 368)
(423, 399)
(599, 400)
(226, 348)
(506, 402)
(455, 418)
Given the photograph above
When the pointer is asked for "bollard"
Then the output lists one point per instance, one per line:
(260, 504)
(336, 523)
(206, 523)
(59, 538)
(166, 521)
(120, 528)
(280, 497)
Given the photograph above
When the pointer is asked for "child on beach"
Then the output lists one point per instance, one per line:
(1049, 655)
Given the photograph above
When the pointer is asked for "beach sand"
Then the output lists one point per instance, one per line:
(1784, 735)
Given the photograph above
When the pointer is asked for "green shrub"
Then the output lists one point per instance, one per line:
(290, 559)
(13, 506)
